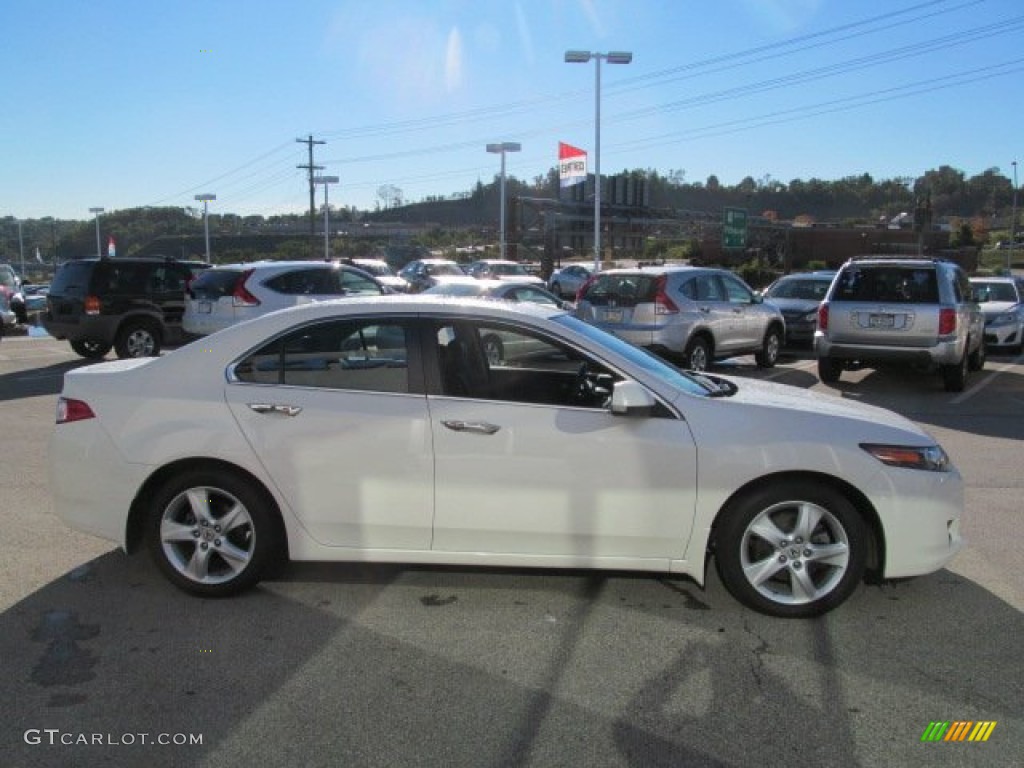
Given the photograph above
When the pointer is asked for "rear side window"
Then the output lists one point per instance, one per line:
(364, 355)
(306, 282)
(113, 277)
(623, 290)
(215, 284)
(893, 284)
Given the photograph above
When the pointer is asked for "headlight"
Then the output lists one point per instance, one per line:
(1007, 318)
(931, 458)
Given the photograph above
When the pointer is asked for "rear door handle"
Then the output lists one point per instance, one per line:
(480, 427)
(286, 410)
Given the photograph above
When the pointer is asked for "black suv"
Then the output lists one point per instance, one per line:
(132, 305)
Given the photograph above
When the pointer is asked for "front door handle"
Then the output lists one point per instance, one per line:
(480, 427)
(286, 410)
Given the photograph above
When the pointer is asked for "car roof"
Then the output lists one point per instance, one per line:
(996, 279)
(289, 264)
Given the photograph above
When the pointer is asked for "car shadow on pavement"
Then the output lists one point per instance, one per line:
(383, 665)
(46, 380)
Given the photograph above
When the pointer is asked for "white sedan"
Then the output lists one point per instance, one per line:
(369, 430)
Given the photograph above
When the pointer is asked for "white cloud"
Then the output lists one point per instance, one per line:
(453, 61)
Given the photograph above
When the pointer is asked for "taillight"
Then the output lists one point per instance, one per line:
(663, 305)
(947, 322)
(69, 410)
(823, 317)
(240, 296)
(92, 305)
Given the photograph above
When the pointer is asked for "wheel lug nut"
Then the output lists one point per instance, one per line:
(807, 553)
(782, 558)
(216, 528)
(204, 546)
(799, 539)
(216, 542)
(797, 565)
(195, 534)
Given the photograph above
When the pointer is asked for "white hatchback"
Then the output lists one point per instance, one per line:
(379, 431)
(230, 293)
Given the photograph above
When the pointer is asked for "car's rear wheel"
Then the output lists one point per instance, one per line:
(792, 549)
(697, 355)
(138, 339)
(829, 370)
(770, 346)
(954, 377)
(211, 534)
(92, 350)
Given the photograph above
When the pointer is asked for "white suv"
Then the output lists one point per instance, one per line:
(230, 293)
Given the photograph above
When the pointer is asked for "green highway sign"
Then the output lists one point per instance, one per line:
(734, 227)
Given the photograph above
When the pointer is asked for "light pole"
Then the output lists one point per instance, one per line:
(501, 149)
(96, 212)
(612, 57)
(205, 199)
(326, 181)
(1013, 224)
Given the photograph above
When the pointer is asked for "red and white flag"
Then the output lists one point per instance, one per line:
(572, 165)
(111, 248)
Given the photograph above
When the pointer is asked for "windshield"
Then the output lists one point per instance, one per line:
(457, 289)
(812, 290)
(639, 357)
(508, 269)
(445, 269)
(995, 292)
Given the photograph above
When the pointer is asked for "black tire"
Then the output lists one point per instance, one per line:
(697, 356)
(212, 534)
(20, 313)
(977, 359)
(138, 338)
(494, 350)
(93, 350)
(770, 346)
(814, 565)
(829, 370)
(954, 377)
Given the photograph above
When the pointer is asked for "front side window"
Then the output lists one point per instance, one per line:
(355, 283)
(737, 292)
(366, 355)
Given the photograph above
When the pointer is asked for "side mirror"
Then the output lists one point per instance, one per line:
(631, 398)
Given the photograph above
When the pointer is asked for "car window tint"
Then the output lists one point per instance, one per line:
(708, 288)
(344, 354)
(492, 361)
(112, 277)
(72, 279)
(894, 284)
(736, 291)
(353, 282)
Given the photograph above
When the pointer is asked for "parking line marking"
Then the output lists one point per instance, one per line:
(983, 383)
(783, 371)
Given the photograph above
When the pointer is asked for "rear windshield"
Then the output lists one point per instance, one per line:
(624, 290)
(72, 279)
(214, 284)
(893, 284)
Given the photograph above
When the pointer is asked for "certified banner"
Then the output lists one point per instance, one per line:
(572, 165)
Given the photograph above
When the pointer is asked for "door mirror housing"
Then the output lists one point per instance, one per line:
(631, 398)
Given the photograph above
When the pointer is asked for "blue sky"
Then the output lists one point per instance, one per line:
(120, 103)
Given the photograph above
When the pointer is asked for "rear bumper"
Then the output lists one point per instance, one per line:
(943, 353)
(85, 328)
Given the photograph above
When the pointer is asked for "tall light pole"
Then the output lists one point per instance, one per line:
(326, 181)
(205, 198)
(501, 149)
(612, 57)
(1013, 224)
(96, 212)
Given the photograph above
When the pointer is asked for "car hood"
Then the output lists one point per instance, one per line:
(796, 413)
(793, 305)
(993, 308)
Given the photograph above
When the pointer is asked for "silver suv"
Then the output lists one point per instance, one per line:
(690, 315)
(903, 310)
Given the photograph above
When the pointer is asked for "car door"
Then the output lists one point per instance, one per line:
(336, 412)
(524, 467)
(748, 322)
(718, 314)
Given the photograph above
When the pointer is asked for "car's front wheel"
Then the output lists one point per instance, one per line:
(791, 549)
(829, 370)
(93, 350)
(697, 355)
(212, 534)
(770, 346)
(138, 339)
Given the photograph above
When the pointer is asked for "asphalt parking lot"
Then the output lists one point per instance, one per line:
(361, 665)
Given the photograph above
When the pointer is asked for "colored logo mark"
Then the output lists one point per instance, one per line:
(959, 730)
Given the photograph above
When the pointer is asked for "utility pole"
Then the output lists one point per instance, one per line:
(310, 141)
